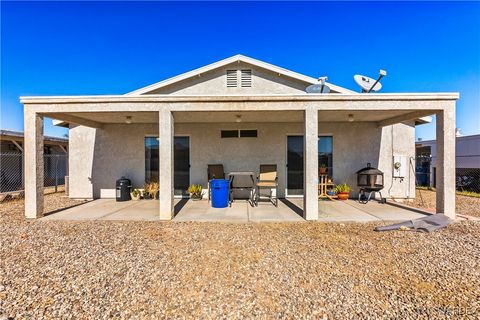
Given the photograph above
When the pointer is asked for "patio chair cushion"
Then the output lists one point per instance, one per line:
(267, 184)
(268, 172)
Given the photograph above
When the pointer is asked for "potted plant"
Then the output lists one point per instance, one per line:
(343, 191)
(153, 190)
(323, 169)
(135, 194)
(146, 191)
(195, 191)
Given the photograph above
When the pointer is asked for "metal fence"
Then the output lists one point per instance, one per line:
(467, 179)
(11, 171)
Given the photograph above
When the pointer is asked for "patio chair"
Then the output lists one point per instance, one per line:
(267, 179)
(214, 171)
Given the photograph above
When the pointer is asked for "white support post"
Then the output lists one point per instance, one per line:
(445, 161)
(310, 199)
(165, 134)
(33, 164)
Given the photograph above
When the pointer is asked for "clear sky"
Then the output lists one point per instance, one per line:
(57, 48)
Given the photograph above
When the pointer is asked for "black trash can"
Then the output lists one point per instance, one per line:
(123, 187)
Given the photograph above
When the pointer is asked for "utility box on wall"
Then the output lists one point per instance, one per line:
(400, 166)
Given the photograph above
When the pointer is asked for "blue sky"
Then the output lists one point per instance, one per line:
(57, 48)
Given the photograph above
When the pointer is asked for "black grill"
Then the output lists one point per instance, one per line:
(369, 180)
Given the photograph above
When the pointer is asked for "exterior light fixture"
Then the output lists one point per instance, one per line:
(350, 118)
(128, 119)
(238, 118)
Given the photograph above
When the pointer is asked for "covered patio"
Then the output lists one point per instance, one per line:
(288, 210)
(102, 117)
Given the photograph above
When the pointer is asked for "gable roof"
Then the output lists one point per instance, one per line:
(235, 58)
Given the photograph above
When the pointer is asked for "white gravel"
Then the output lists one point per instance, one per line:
(99, 270)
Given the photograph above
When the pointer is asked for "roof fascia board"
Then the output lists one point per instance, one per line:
(26, 100)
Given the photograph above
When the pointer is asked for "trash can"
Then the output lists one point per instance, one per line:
(123, 187)
(220, 192)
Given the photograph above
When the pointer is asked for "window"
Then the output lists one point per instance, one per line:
(238, 133)
(151, 159)
(248, 133)
(232, 81)
(325, 153)
(245, 78)
(229, 133)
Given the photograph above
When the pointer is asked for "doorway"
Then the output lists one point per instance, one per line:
(181, 163)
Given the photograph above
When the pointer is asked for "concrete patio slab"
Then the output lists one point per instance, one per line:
(386, 212)
(92, 210)
(267, 212)
(203, 211)
(139, 211)
(288, 210)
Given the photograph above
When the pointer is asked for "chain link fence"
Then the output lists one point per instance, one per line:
(11, 171)
(467, 179)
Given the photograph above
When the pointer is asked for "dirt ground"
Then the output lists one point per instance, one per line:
(106, 269)
(464, 204)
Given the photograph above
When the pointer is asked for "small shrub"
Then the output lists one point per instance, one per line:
(195, 191)
(342, 188)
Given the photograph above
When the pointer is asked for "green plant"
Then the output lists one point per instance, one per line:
(195, 191)
(342, 188)
(323, 165)
(151, 189)
(146, 189)
(135, 192)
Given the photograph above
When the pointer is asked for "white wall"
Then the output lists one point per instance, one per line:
(100, 156)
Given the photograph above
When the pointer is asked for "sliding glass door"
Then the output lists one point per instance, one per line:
(294, 165)
(295, 154)
(181, 160)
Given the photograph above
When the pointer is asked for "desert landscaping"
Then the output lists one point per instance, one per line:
(104, 269)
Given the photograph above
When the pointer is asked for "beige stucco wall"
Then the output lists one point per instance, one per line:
(99, 156)
(214, 83)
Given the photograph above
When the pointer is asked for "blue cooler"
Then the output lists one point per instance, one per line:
(220, 192)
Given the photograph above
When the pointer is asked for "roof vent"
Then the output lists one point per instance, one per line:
(232, 79)
(246, 78)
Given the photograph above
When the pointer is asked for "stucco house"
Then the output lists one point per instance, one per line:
(240, 112)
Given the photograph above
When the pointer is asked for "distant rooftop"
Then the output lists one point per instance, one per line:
(17, 134)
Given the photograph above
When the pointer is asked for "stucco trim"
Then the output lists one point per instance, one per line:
(240, 98)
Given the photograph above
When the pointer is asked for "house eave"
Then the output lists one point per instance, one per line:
(240, 98)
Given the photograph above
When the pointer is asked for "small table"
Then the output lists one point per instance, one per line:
(231, 176)
(324, 183)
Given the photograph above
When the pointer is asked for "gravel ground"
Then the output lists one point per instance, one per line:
(464, 204)
(70, 270)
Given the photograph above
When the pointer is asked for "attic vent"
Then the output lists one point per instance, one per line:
(232, 79)
(246, 78)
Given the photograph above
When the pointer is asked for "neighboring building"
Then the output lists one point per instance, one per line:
(467, 162)
(11, 160)
(239, 112)
(12, 142)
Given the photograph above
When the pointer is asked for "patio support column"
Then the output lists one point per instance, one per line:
(33, 164)
(445, 161)
(310, 182)
(165, 174)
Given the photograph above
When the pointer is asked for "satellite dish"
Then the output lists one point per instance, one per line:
(318, 88)
(368, 84)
